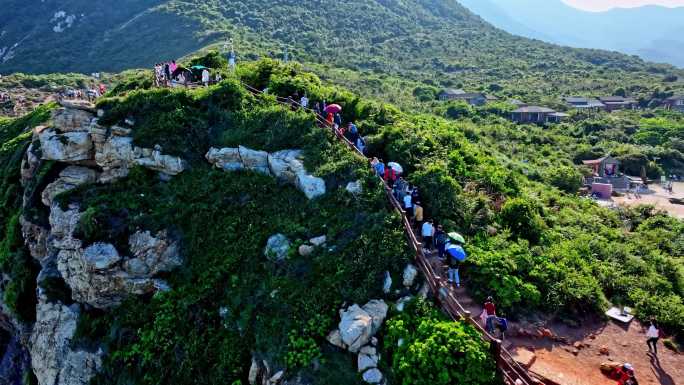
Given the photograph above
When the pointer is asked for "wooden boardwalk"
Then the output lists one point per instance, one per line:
(446, 295)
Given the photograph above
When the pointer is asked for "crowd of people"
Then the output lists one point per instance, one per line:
(169, 74)
(90, 93)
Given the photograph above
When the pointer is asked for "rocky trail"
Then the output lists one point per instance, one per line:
(567, 355)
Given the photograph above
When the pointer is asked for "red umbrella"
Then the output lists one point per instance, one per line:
(333, 108)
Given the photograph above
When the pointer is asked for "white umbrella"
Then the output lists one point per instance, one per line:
(396, 167)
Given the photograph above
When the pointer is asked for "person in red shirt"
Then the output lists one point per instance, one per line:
(625, 375)
(490, 310)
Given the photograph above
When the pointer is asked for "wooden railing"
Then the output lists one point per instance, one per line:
(508, 367)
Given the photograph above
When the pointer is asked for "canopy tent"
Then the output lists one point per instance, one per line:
(182, 70)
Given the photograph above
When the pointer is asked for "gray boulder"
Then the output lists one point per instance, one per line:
(71, 119)
(254, 160)
(277, 247)
(69, 179)
(102, 278)
(410, 274)
(356, 327)
(373, 376)
(387, 283)
(53, 360)
(354, 187)
(67, 147)
(377, 310)
(310, 185)
(227, 159)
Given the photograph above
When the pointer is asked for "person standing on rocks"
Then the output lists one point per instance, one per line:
(652, 335)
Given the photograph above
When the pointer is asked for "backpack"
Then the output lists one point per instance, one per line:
(503, 324)
(441, 238)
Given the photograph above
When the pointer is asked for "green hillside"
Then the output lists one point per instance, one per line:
(533, 244)
(433, 41)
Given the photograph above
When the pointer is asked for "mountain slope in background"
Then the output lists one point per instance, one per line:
(652, 32)
(434, 41)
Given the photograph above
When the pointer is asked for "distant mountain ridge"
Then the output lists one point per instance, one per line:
(653, 32)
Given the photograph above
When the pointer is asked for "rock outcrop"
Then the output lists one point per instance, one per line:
(286, 166)
(358, 324)
(409, 275)
(76, 138)
(99, 276)
(69, 179)
(277, 247)
(53, 360)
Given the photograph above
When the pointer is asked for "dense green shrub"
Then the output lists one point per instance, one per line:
(426, 348)
(521, 216)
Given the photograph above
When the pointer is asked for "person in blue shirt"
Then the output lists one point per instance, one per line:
(380, 168)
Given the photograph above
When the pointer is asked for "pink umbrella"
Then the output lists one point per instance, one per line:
(333, 108)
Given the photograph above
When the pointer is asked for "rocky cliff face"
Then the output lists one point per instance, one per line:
(97, 274)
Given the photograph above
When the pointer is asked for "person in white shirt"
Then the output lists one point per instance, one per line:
(428, 231)
(652, 335)
(304, 101)
(205, 77)
(408, 205)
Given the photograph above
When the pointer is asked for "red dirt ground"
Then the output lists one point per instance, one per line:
(557, 361)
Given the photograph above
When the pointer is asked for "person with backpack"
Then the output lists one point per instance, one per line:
(652, 336)
(490, 314)
(390, 175)
(503, 326)
(338, 120)
(441, 240)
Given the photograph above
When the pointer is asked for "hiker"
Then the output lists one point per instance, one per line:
(218, 78)
(418, 214)
(338, 120)
(167, 73)
(352, 132)
(408, 205)
(304, 101)
(427, 232)
(361, 144)
(390, 175)
(415, 194)
(625, 375)
(400, 189)
(173, 66)
(379, 168)
(205, 77)
(652, 335)
(329, 120)
(490, 314)
(441, 240)
(103, 89)
(454, 265)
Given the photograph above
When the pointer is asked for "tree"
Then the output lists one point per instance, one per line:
(436, 351)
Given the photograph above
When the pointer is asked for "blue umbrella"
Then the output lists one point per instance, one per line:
(456, 252)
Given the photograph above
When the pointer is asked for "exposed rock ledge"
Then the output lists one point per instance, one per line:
(284, 165)
(53, 360)
(98, 275)
(76, 138)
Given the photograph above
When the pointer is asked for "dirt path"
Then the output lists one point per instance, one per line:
(572, 356)
(658, 197)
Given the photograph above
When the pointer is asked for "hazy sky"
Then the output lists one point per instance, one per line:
(602, 5)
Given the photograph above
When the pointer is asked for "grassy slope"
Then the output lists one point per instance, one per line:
(433, 41)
